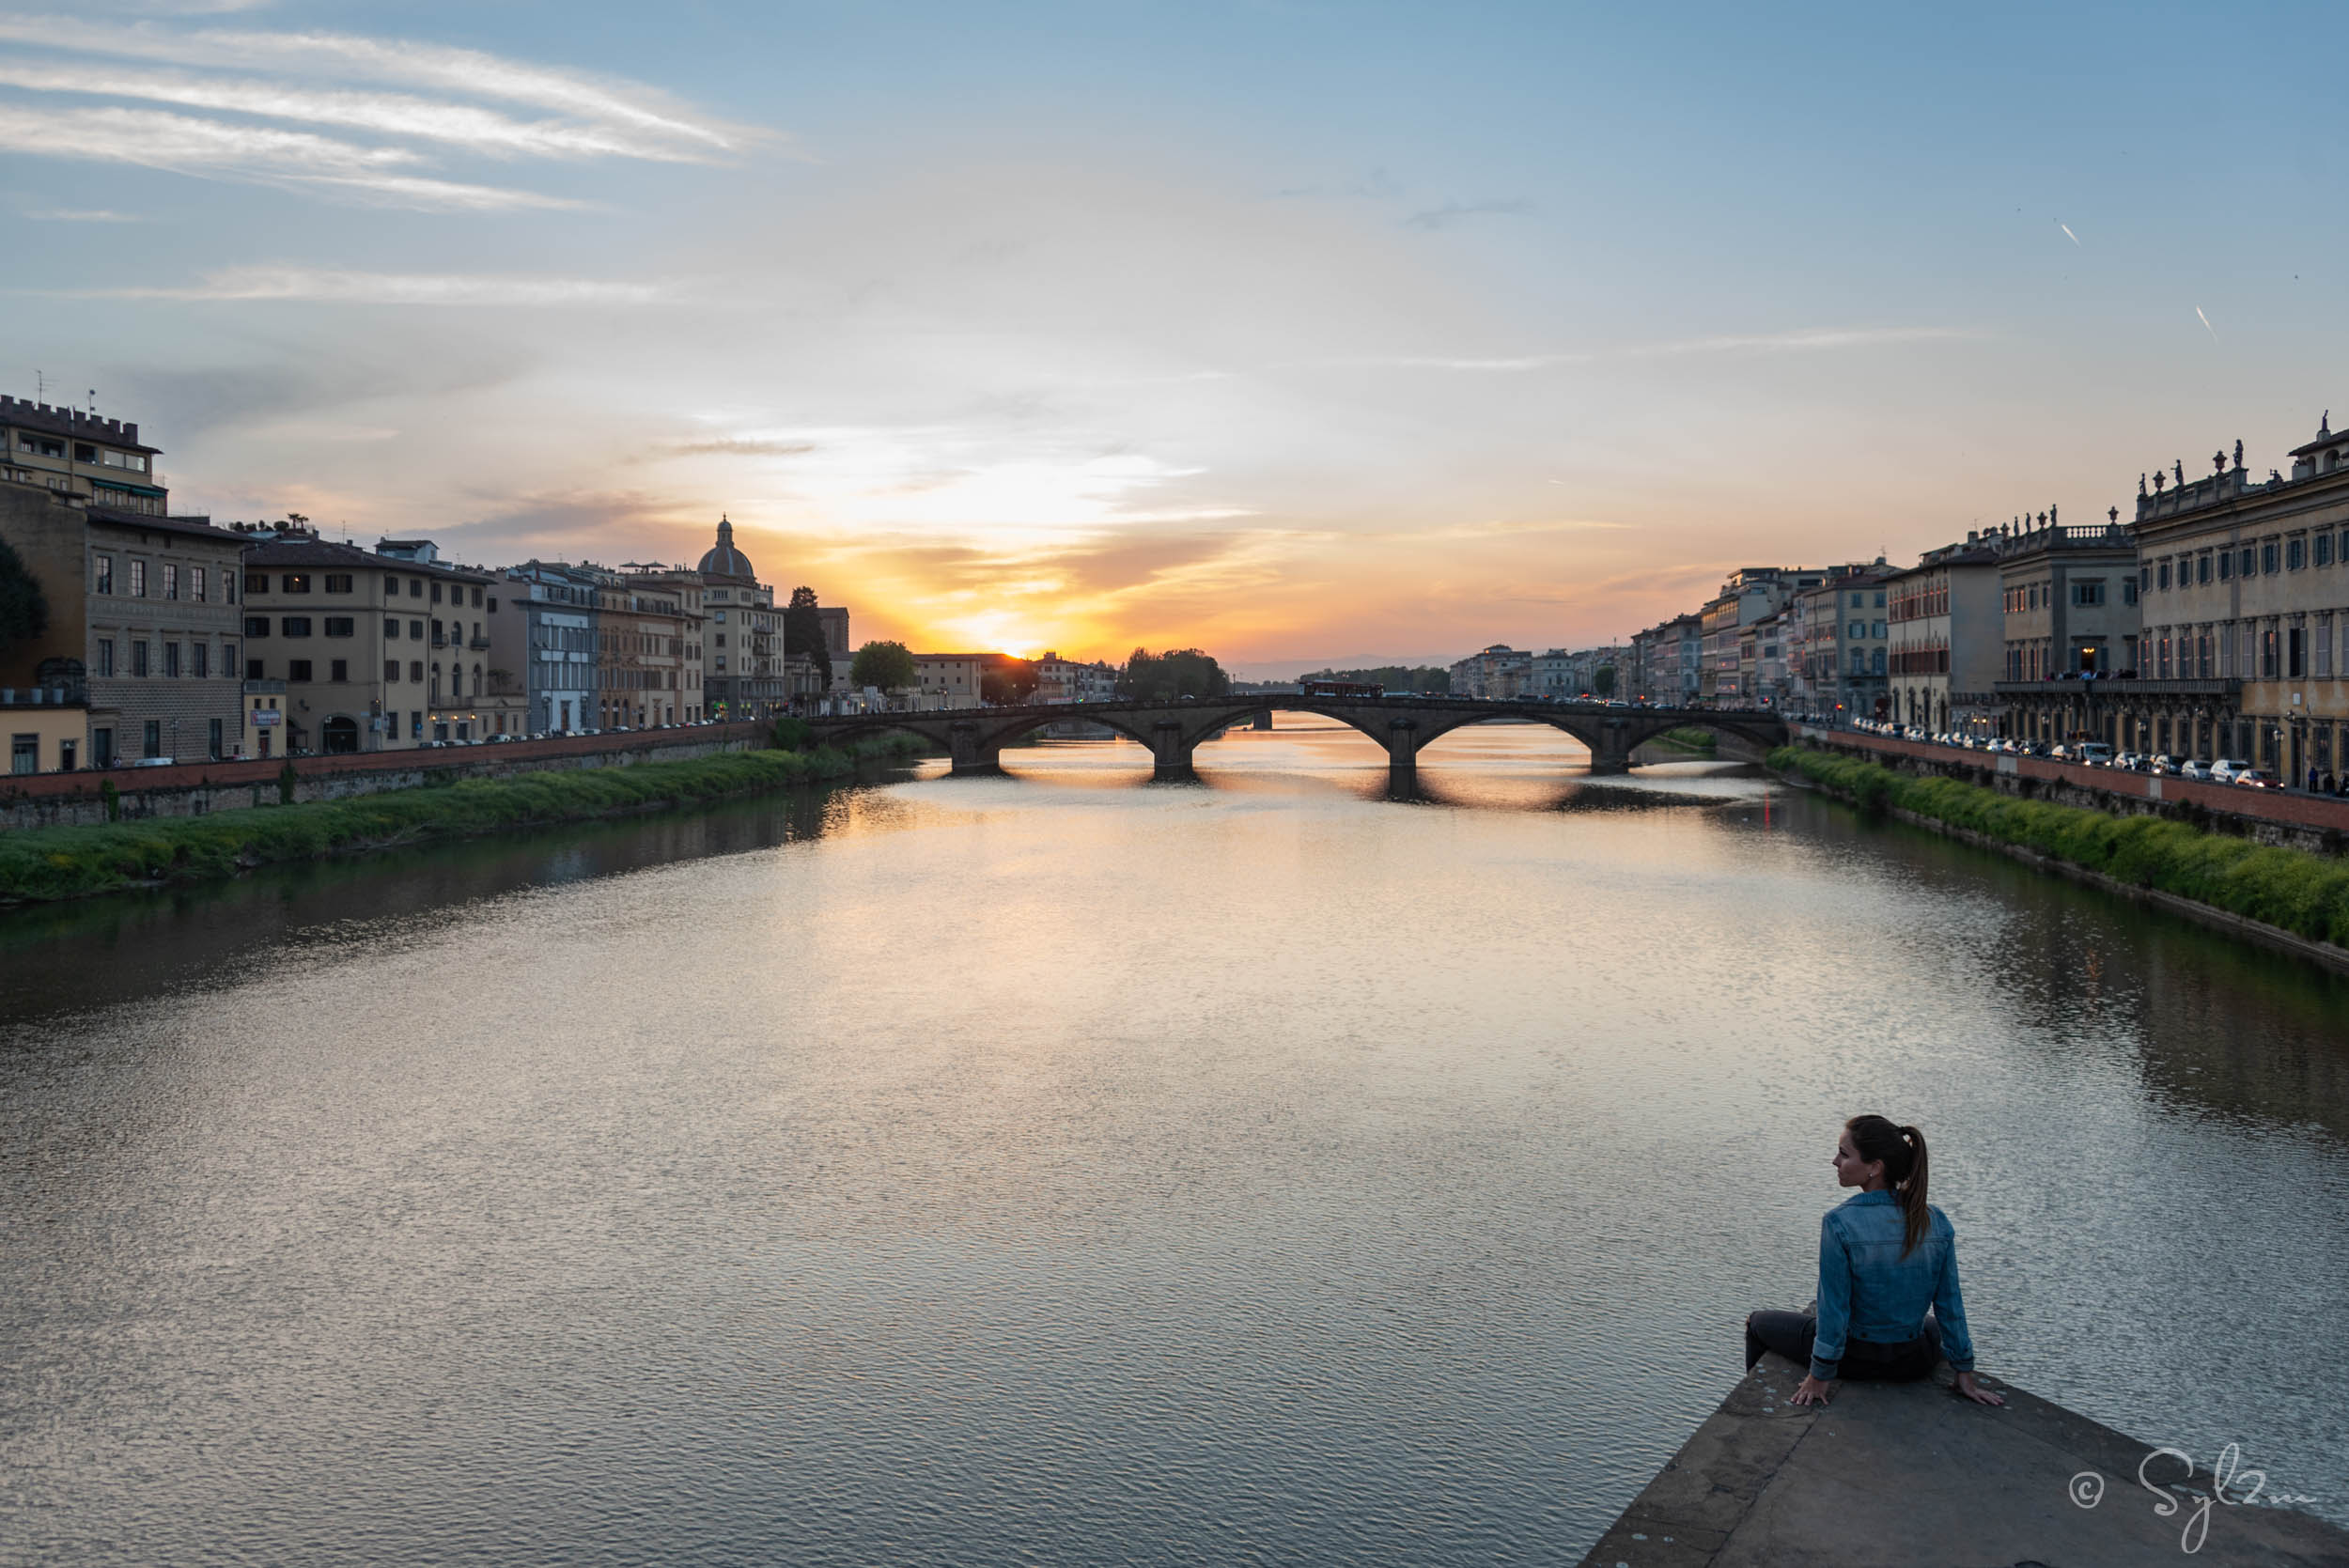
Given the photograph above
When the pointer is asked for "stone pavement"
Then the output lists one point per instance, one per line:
(1915, 1476)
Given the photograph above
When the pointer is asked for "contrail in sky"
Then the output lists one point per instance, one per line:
(2206, 326)
(2068, 234)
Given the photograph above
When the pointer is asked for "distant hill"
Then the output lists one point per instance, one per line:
(1394, 677)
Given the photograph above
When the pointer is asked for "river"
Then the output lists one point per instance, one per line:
(1061, 1168)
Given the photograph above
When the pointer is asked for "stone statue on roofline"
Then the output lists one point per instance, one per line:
(2051, 516)
(2140, 486)
(2238, 452)
(2179, 463)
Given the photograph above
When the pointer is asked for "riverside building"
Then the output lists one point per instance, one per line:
(1944, 637)
(2071, 663)
(139, 660)
(545, 632)
(2246, 585)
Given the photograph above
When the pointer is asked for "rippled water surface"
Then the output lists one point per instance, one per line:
(1065, 1169)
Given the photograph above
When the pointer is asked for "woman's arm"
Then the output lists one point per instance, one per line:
(1834, 1309)
(1948, 1307)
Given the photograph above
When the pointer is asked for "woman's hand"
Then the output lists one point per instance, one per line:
(1812, 1391)
(1971, 1389)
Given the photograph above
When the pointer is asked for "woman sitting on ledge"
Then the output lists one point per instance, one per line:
(1888, 1306)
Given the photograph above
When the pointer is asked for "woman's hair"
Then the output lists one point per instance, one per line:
(1903, 1152)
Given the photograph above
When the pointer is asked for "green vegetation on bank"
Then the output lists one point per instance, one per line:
(2306, 894)
(1689, 738)
(37, 864)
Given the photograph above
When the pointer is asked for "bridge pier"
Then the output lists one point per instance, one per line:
(1612, 754)
(1170, 754)
(971, 758)
(1263, 719)
(1403, 745)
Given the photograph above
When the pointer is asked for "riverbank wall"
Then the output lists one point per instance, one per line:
(41, 865)
(2284, 898)
(196, 789)
(2311, 823)
(1916, 1474)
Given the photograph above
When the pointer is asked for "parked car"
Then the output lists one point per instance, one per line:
(2095, 754)
(2225, 770)
(2163, 763)
(2258, 778)
(2195, 770)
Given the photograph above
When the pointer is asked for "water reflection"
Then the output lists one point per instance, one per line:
(1061, 1166)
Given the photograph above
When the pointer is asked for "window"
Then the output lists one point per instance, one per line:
(391, 672)
(2247, 564)
(138, 578)
(85, 453)
(293, 625)
(2146, 577)
(295, 582)
(228, 658)
(338, 582)
(2128, 590)
(2268, 655)
(2297, 652)
(476, 599)
(256, 583)
(415, 671)
(341, 625)
(227, 586)
(105, 655)
(138, 656)
(102, 748)
(298, 670)
(171, 579)
(2296, 554)
(2321, 546)
(196, 583)
(436, 593)
(415, 587)
(416, 630)
(416, 724)
(151, 735)
(257, 626)
(2226, 566)
(41, 446)
(200, 661)
(213, 738)
(103, 579)
(494, 604)
(391, 628)
(2202, 567)
(171, 660)
(2091, 592)
(391, 587)
(2161, 576)
(338, 671)
(253, 670)
(2323, 642)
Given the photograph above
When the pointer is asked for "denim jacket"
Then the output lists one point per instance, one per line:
(1867, 1291)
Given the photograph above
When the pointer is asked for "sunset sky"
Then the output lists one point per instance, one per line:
(1304, 333)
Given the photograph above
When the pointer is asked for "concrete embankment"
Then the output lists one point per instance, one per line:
(1913, 1475)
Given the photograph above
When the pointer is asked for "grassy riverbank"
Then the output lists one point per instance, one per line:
(1696, 743)
(40, 864)
(2300, 892)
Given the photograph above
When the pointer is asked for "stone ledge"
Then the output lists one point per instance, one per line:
(1914, 1476)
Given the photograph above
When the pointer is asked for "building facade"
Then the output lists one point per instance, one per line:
(1497, 673)
(648, 653)
(948, 680)
(140, 657)
(1945, 635)
(2069, 598)
(1838, 649)
(544, 634)
(745, 673)
(2244, 598)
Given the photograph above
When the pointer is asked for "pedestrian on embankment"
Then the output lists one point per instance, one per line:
(1888, 1306)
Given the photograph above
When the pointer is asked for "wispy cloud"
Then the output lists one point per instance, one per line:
(465, 125)
(742, 447)
(158, 140)
(1789, 342)
(323, 286)
(1453, 212)
(232, 79)
(82, 215)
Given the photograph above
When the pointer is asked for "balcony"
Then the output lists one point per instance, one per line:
(479, 644)
(2119, 688)
(70, 693)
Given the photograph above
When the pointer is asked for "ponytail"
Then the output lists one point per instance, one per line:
(1901, 1150)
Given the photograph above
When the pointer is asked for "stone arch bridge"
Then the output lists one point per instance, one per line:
(1172, 731)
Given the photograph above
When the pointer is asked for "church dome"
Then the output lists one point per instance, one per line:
(724, 560)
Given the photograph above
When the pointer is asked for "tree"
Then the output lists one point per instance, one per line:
(1393, 677)
(1008, 679)
(24, 608)
(887, 665)
(804, 633)
(1176, 673)
(1603, 680)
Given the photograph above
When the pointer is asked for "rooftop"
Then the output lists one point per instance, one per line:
(25, 412)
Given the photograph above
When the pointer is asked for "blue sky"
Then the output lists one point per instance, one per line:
(1300, 331)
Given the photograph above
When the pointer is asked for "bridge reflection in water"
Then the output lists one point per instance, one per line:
(975, 739)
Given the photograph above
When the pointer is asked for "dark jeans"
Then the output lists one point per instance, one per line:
(1790, 1334)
